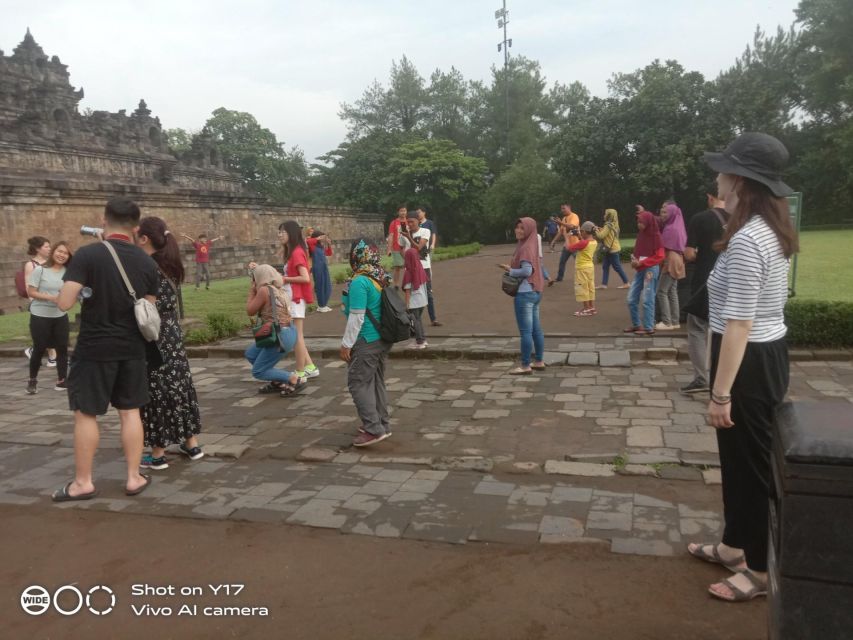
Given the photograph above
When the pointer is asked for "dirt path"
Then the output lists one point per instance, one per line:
(469, 300)
(318, 584)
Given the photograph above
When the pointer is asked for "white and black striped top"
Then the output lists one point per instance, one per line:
(750, 282)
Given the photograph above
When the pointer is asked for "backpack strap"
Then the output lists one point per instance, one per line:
(367, 311)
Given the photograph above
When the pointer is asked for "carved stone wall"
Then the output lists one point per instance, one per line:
(59, 167)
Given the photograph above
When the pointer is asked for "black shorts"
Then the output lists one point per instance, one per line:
(94, 385)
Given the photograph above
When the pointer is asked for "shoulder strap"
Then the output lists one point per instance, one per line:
(120, 268)
(719, 217)
(170, 281)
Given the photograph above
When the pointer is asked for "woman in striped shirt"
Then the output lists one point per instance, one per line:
(747, 291)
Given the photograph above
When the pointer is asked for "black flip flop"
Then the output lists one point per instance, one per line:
(62, 495)
(139, 490)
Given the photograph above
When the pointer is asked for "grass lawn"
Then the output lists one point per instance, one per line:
(225, 296)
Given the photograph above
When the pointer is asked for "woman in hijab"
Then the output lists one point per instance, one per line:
(414, 286)
(527, 265)
(608, 236)
(362, 348)
(674, 238)
(265, 293)
(646, 259)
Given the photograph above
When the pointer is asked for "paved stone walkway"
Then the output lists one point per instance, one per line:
(606, 454)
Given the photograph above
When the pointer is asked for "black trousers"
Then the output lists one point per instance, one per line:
(49, 333)
(745, 448)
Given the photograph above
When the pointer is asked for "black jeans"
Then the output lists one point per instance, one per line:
(565, 254)
(49, 333)
(430, 302)
(745, 448)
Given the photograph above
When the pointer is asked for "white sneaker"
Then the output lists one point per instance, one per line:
(662, 326)
(51, 362)
(416, 346)
(324, 309)
(28, 353)
(312, 371)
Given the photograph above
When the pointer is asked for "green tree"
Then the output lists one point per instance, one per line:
(401, 107)
(437, 174)
(254, 152)
(178, 140)
(528, 188)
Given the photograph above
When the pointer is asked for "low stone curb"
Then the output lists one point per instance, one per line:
(603, 358)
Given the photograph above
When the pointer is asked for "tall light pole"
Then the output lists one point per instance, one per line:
(502, 16)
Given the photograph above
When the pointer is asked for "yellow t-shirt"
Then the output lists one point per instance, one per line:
(574, 220)
(584, 258)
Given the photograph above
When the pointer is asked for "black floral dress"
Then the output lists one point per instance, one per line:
(172, 414)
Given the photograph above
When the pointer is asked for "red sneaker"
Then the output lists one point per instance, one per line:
(366, 439)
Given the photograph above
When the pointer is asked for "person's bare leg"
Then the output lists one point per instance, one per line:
(303, 358)
(132, 439)
(51, 353)
(191, 442)
(158, 452)
(86, 438)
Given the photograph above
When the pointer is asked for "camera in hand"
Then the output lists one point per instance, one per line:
(90, 231)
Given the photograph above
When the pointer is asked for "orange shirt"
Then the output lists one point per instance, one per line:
(573, 220)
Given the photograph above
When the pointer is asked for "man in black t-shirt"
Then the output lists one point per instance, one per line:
(109, 364)
(703, 232)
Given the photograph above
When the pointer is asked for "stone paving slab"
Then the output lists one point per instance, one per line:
(483, 456)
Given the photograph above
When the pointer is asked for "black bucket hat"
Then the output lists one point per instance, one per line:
(756, 156)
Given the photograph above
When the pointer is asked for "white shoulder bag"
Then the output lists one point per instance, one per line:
(146, 313)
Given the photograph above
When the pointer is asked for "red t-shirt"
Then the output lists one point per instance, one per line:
(394, 232)
(202, 251)
(301, 291)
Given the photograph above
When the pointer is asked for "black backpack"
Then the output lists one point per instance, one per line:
(395, 323)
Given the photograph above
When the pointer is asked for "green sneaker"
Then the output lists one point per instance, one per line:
(311, 371)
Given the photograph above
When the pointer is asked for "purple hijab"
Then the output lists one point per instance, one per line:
(673, 233)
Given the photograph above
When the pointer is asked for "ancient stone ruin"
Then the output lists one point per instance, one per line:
(59, 166)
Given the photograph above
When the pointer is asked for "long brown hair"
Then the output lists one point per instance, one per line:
(756, 199)
(167, 252)
(50, 262)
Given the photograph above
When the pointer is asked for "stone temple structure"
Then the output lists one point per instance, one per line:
(58, 167)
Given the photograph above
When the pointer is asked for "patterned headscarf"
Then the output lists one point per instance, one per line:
(364, 261)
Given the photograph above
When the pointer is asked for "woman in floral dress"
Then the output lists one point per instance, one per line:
(172, 415)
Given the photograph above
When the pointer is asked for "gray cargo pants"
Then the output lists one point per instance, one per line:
(366, 384)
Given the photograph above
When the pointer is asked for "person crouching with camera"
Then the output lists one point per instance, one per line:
(275, 334)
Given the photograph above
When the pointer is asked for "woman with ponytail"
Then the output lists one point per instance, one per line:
(172, 415)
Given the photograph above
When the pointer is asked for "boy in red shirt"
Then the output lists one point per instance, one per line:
(202, 257)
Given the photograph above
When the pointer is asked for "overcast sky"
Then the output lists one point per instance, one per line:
(291, 63)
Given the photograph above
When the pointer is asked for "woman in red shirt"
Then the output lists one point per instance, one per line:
(297, 276)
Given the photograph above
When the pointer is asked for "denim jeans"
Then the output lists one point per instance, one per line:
(565, 254)
(612, 259)
(645, 284)
(263, 360)
(527, 317)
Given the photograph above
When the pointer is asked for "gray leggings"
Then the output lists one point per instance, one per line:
(667, 299)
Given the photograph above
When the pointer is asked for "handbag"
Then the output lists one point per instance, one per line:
(266, 332)
(147, 317)
(510, 284)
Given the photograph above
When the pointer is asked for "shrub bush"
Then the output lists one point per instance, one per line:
(201, 335)
(819, 324)
(222, 326)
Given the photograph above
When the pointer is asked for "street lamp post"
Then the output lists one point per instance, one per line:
(502, 16)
